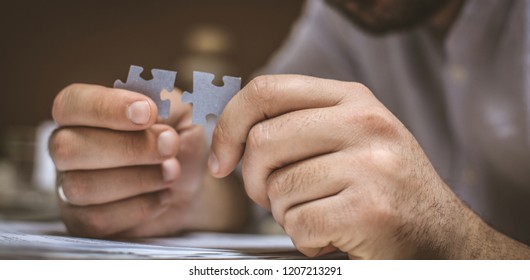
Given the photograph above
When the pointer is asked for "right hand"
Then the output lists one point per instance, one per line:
(122, 174)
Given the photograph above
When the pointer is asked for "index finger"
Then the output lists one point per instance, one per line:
(263, 98)
(98, 106)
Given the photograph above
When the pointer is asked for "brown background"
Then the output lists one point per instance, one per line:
(46, 45)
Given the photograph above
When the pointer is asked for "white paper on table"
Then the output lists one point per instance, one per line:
(48, 240)
(246, 242)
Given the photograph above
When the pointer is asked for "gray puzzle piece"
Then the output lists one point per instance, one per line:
(208, 99)
(162, 80)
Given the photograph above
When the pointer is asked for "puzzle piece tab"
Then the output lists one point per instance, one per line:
(162, 80)
(208, 99)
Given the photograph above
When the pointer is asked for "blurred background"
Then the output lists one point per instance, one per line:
(46, 45)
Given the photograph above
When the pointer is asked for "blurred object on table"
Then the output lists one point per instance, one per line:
(27, 174)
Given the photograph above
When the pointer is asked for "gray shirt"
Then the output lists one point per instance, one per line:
(465, 98)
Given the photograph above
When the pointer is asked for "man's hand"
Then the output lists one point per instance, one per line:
(338, 170)
(121, 173)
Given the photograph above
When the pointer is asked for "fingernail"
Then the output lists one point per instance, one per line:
(139, 112)
(213, 163)
(169, 170)
(167, 142)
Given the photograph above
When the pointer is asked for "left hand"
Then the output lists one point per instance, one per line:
(120, 178)
(337, 170)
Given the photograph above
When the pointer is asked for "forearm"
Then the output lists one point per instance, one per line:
(487, 243)
(467, 236)
(221, 205)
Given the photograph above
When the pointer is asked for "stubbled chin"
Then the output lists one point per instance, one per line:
(352, 7)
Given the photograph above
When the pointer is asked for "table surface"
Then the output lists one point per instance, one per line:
(49, 240)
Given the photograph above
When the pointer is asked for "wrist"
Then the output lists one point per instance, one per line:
(444, 227)
(487, 243)
(469, 237)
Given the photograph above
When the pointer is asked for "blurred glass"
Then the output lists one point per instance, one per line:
(208, 48)
(23, 193)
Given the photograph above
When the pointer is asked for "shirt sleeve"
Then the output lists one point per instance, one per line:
(315, 46)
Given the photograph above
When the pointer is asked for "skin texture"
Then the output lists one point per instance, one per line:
(338, 170)
(334, 166)
(123, 174)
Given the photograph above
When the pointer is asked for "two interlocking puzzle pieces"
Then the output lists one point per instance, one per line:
(207, 99)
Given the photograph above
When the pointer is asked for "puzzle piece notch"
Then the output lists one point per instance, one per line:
(211, 122)
(162, 80)
(209, 99)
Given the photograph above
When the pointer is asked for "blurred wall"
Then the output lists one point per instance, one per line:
(46, 45)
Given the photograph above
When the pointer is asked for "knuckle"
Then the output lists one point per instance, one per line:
(130, 145)
(282, 184)
(255, 186)
(60, 102)
(258, 136)
(382, 122)
(374, 120)
(353, 91)
(61, 148)
(83, 221)
(297, 223)
(384, 160)
(75, 188)
(359, 88)
(261, 91)
(253, 189)
(290, 224)
(286, 182)
(296, 226)
(308, 225)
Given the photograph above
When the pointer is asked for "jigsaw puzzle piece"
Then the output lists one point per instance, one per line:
(209, 99)
(211, 122)
(162, 80)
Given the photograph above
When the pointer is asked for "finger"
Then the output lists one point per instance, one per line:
(108, 219)
(316, 225)
(90, 187)
(326, 250)
(179, 113)
(193, 152)
(83, 148)
(97, 106)
(267, 97)
(356, 221)
(167, 224)
(292, 137)
(309, 180)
